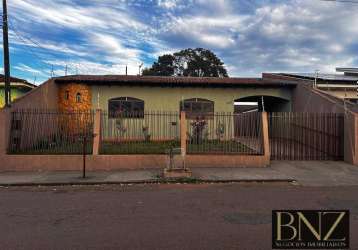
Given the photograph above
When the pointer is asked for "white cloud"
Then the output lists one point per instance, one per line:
(108, 34)
(113, 46)
(25, 68)
(71, 15)
(169, 4)
(286, 35)
(58, 47)
(217, 40)
(295, 35)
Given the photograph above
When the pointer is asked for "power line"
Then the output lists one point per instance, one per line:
(30, 49)
(23, 39)
(35, 43)
(26, 41)
(38, 45)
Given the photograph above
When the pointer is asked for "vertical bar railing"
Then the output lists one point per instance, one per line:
(225, 133)
(149, 132)
(49, 131)
(306, 136)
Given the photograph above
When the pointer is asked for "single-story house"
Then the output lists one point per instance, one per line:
(342, 85)
(19, 87)
(116, 141)
(145, 93)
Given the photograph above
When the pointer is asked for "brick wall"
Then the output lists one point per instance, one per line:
(67, 99)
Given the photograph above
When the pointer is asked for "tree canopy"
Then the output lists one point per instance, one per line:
(189, 62)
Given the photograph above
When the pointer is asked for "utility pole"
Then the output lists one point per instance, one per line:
(6, 54)
(140, 67)
(315, 78)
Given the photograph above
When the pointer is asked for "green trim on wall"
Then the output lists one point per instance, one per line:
(15, 93)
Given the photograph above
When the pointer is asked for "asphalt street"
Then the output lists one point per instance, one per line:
(158, 216)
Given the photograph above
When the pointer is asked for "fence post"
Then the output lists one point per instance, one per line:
(265, 139)
(351, 138)
(4, 130)
(97, 132)
(183, 133)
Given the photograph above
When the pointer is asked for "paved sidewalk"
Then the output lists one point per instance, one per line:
(307, 173)
(319, 173)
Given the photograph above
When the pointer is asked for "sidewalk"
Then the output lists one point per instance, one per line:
(306, 173)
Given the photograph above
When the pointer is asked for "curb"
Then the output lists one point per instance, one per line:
(159, 181)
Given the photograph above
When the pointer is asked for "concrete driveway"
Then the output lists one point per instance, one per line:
(305, 173)
(318, 173)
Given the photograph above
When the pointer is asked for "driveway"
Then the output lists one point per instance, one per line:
(318, 173)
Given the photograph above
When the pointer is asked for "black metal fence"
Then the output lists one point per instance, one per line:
(150, 132)
(293, 136)
(50, 132)
(306, 136)
(226, 133)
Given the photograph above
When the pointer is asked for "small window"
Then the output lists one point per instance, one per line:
(67, 95)
(197, 107)
(78, 97)
(126, 107)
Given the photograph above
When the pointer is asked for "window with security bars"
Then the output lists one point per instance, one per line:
(197, 108)
(125, 107)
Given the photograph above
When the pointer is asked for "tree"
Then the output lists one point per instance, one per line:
(164, 67)
(189, 62)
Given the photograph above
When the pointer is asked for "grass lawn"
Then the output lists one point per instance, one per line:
(219, 147)
(155, 147)
(141, 147)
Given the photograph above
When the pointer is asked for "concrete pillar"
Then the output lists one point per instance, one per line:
(351, 138)
(182, 172)
(265, 139)
(4, 130)
(183, 133)
(97, 132)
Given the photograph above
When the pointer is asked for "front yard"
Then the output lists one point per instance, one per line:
(161, 147)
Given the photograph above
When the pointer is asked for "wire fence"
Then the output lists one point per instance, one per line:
(149, 132)
(306, 136)
(226, 133)
(50, 132)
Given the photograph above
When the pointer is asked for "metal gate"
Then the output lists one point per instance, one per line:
(306, 136)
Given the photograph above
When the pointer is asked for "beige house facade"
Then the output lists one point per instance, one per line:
(169, 93)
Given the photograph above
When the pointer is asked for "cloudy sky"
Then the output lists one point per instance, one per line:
(250, 36)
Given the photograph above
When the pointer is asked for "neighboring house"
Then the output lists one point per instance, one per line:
(195, 95)
(342, 86)
(18, 88)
